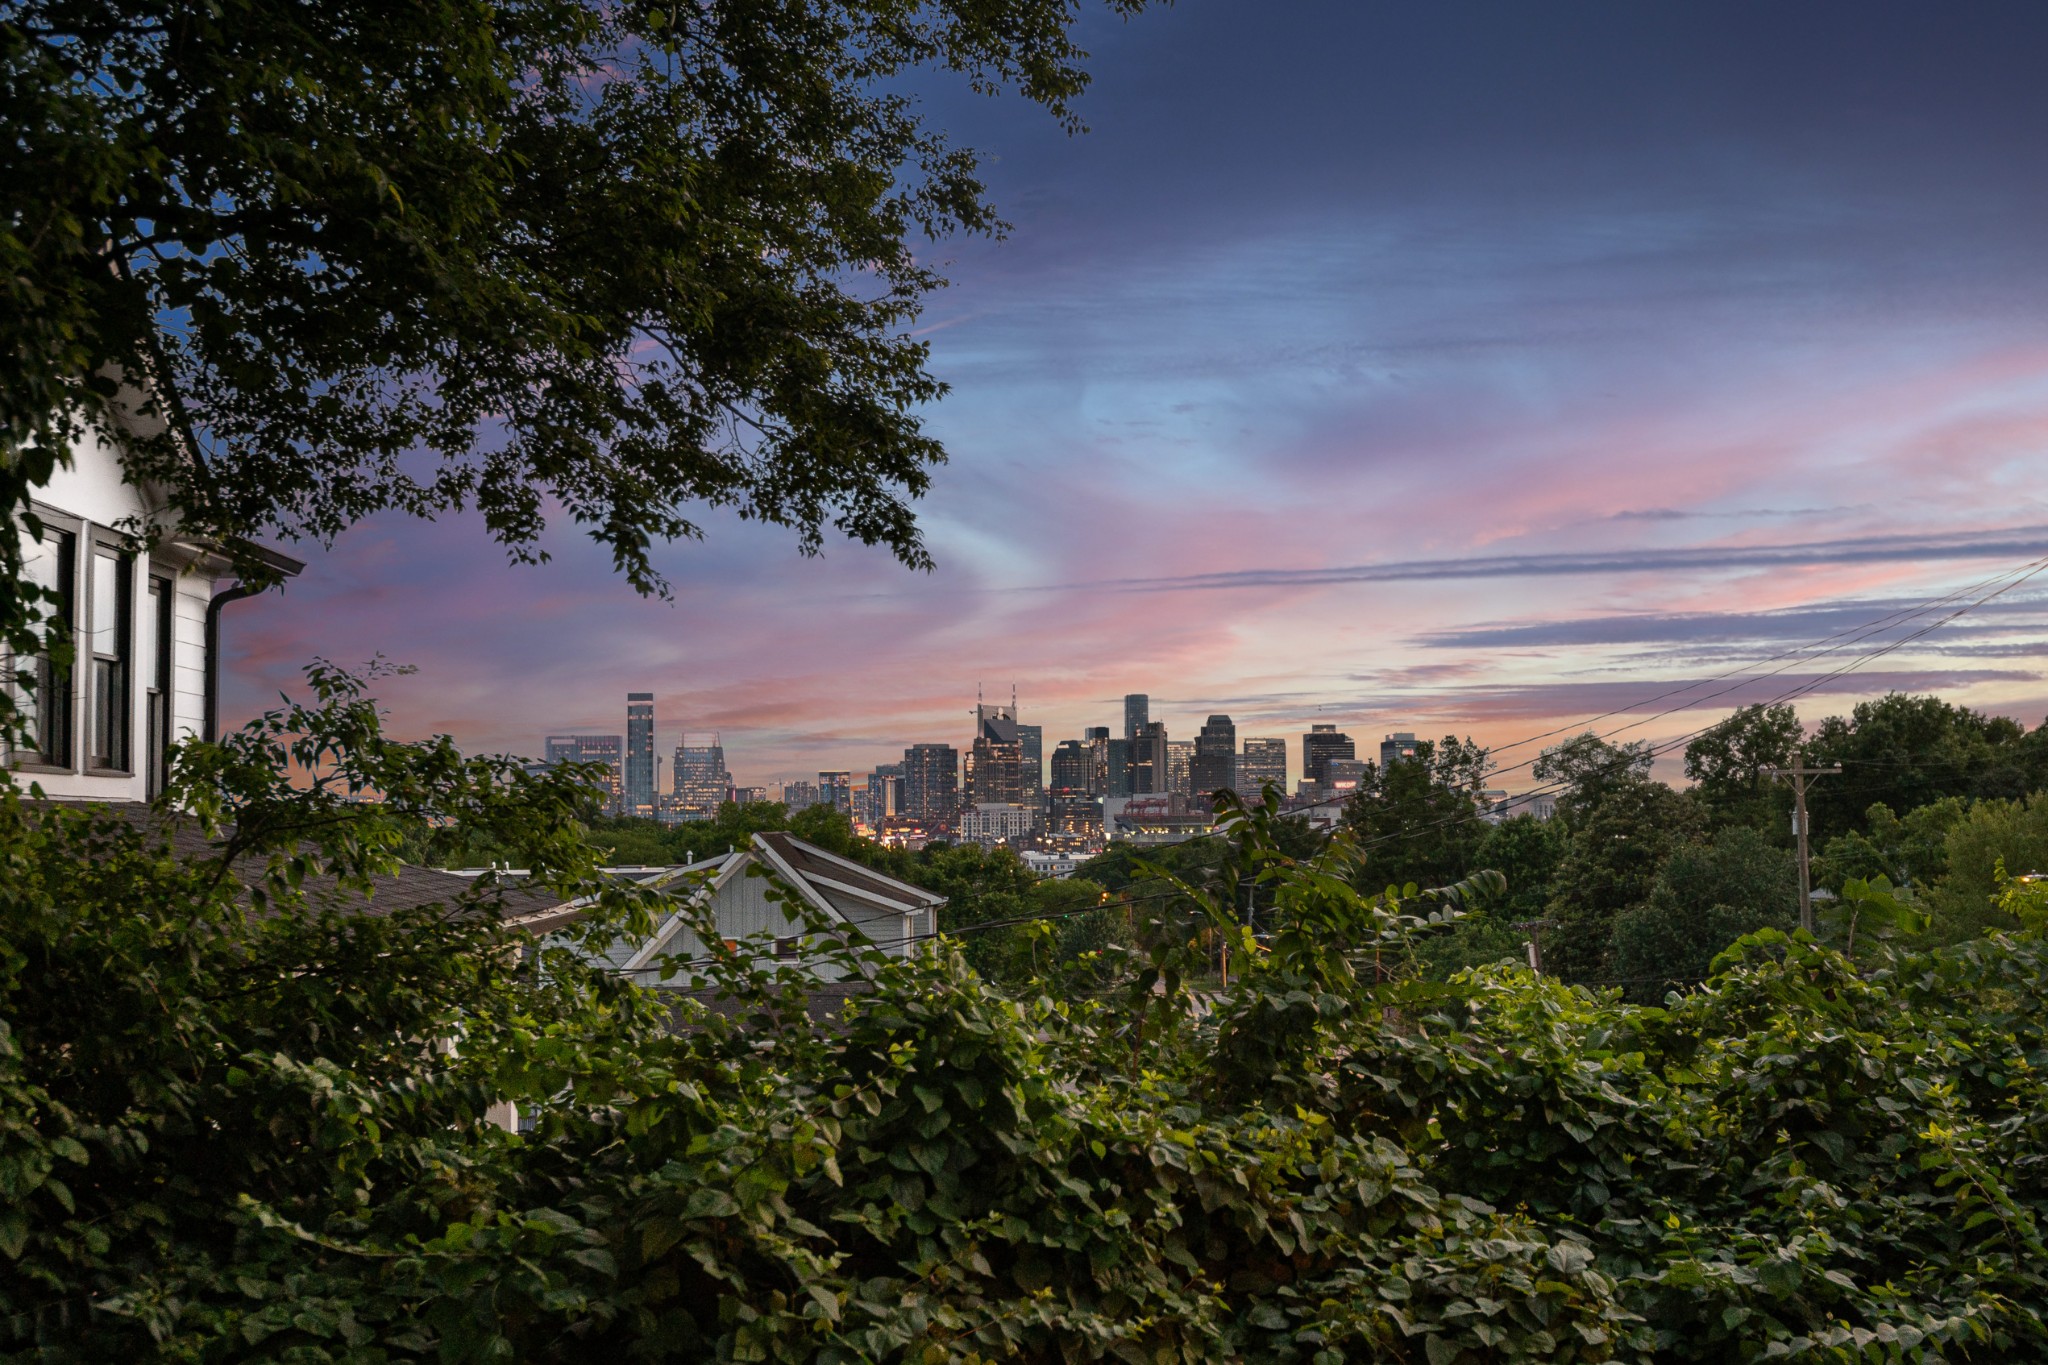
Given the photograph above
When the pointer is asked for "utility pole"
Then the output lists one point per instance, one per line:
(1535, 928)
(1799, 773)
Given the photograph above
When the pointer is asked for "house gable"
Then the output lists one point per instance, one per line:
(889, 913)
(138, 621)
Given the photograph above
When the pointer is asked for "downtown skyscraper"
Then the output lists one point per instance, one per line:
(1262, 763)
(995, 764)
(1321, 744)
(1151, 761)
(1215, 763)
(600, 749)
(640, 753)
(931, 783)
(701, 781)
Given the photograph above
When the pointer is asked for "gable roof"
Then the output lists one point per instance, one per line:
(828, 883)
(814, 866)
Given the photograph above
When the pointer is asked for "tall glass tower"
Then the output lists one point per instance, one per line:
(640, 753)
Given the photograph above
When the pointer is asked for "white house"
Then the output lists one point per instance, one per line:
(893, 916)
(145, 633)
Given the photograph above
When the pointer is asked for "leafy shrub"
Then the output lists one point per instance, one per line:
(230, 1135)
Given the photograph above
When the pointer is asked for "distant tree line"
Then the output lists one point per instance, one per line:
(1640, 885)
(1633, 883)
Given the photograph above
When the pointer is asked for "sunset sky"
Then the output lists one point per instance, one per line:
(1459, 366)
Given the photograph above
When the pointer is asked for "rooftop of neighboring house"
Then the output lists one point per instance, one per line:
(407, 888)
(840, 886)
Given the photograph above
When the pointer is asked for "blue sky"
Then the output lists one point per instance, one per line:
(1465, 367)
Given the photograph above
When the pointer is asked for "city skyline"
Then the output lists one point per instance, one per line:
(1428, 374)
(575, 743)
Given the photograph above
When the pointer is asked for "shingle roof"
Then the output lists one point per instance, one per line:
(808, 860)
(407, 889)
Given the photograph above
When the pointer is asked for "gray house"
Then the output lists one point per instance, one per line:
(892, 915)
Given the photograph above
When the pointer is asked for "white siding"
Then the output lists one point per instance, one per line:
(93, 488)
(743, 911)
(188, 654)
(94, 491)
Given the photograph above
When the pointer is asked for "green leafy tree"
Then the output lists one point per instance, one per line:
(734, 827)
(1994, 839)
(1727, 763)
(1527, 852)
(1620, 836)
(612, 263)
(1481, 939)
(1870, 910)
(1907, 752)
(980, 883)
(630, 841)
(2024, 898)
(1121, 865)
(633, 839)
(1705, 897)
(1588, 768)
(1908, 852)
(1417, 819)
(1072, 928)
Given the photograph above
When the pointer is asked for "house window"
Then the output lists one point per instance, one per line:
(43, 687)
(156, 675)
(106, 656)
(787, 947)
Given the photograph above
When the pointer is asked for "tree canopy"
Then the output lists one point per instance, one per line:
(1727, 766)
(1706, 896)
(1417, 818)
(1908, 751)
(611, 264)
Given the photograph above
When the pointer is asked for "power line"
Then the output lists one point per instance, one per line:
(2019, 576)
(1800, 654)
(2024, 573)
(1861, 632)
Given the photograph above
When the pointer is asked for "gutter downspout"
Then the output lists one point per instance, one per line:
(220, 599)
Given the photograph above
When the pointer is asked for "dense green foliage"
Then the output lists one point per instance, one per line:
(1908, 751)
(263, 1139)
(1727, 766)
(1705, 897)
(199, 1041)
(1416, 818)
(1634, 883)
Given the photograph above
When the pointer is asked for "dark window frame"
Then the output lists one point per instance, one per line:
(160, 587)
(69, 533)
(122, 762)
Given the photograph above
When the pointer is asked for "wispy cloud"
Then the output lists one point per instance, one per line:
(1818, 622)
(1529, 702)
(2005, 543)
